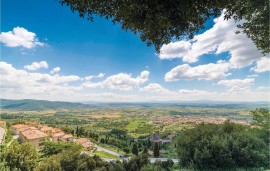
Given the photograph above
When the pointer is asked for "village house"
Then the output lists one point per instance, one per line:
(86, 143)
(46, 129)
(33, 137)
(67, 138)
(57, 136)
(3, 123)
(16, 128)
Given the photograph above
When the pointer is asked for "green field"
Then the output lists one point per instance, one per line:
(104, 154)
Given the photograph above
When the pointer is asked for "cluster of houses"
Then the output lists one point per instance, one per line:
(156, 139)
(36, 134)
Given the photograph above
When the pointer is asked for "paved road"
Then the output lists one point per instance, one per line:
(2, 134)
(152, 160)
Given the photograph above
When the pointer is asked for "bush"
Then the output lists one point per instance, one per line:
(210, 146)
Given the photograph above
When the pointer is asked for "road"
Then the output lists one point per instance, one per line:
(2, 134)
(153, 160)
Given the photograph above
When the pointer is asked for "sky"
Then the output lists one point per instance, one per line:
(50, 53)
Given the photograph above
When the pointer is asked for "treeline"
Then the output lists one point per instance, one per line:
(228, 146)
(24, 157)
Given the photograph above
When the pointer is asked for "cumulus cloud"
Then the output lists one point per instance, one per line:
(36, 66)
(20, 37)
(237, 84)
(23, 81)
(121, 81)
(262, 65)
(55, 70)
(218, 39)
(176, 50)
(211, 71)
(262, 88)
(252, 76)
(90, 77)
(19, 84)
(100, 75)
(155, 88)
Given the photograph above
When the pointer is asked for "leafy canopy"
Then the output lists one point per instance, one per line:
(210, 146)
(159, 22)
(261, 117)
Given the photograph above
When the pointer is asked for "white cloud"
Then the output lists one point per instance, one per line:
(261, 88)
(90, 77)
(21, 80)
(36, 66)
(220, 38)
(100, 75)
(55, 70)
(155, 88)
(20, 37)
(21, 84)
(176, 50)
(237, 84)
(209, 71)
(262, 65)
(252, 76)
(121, 81)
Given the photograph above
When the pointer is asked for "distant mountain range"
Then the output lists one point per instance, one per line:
(28, 104)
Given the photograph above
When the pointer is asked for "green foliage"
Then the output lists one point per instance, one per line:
(158, 22)
(50, 164)
(156, 150)
(71, 160)
(51, 148)
(261, 118)
(221, 146)
(136, 163)
(135, 149)
(126, 150)
(256, 16)
(151, 167)
(23, 157)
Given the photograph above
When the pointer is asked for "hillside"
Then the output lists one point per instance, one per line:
(28, 104)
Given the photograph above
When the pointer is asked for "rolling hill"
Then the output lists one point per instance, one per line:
(28, 104)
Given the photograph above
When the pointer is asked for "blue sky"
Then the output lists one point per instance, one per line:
(48, 52)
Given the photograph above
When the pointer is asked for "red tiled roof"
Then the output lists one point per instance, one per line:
(17, 126)
(33, 134)
(67, 136)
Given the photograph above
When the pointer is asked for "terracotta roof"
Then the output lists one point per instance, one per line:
(17, 126)
(3, 122)
(33, 134)
(31, 127)
(86, 143)
(58, 134)
(23, 129)
(67, 136)
(55, 130)
(46, 128)
(82, 140)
